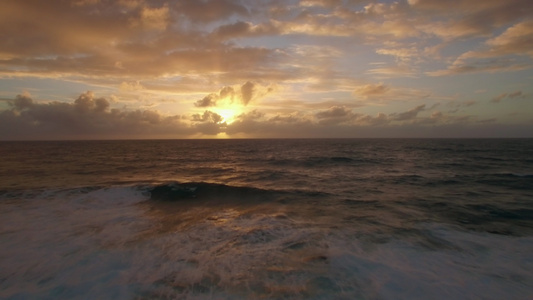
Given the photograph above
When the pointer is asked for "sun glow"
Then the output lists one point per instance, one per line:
(229, 113)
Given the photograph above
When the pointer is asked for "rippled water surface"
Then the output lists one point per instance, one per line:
(267, 219)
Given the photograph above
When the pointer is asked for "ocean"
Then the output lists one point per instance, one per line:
(267, 219)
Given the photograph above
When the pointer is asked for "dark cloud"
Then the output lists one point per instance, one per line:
(90, 117)
(156, 62)
(22, 102)
(410, 114)
(86, 103)
(335, 115)
(210, 10)
(512, 95)
(499, 98)
(378, 120)
(247, 91)
(227, 92)
(517, 94)
(208, 123)
(490, 66)
(87, 117)
(253, 115)
(257, 124)
(290, 119)
(334, 112)
(121, 39)
(207, 116)
(243, 29)
(475, 18)
(225, 95)
(209, 100)
(237, 29)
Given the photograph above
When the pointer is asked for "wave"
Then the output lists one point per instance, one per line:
(172, 191)
(138, 241)
(175, 191)
(323, 161)
(222, 193)
(513, 175)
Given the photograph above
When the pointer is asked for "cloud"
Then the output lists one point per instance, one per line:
(381, 92)
(379, 120)
(334, 112)
(341, 122)
(410, 114)
(253, 122)
(517, 39)
(23, 101)
(87, 103)
(512, 95)
(247, 91)
(237, 29)
(401, 54)
(245, 94)
(209, 100)
(370, 90)
(227, 92)
(209, 123)
(335, 115)
(131, 86)
(329, 63)
(207, 116)
(497, 55)
(128, 40)
(402, 70)
(469, 18)
(87, 117)
(499, 98)
(210, 10)
(320, 3)
(517, 94)
(85, 2)
(491, 65)
(343, 115)
(110, 42)
(241, 29)
(155, 18)
(291, 106)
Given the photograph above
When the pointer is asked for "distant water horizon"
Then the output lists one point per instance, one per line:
(265, 138)
(320, 218)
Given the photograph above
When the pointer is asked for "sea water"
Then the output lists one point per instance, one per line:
(267, 219)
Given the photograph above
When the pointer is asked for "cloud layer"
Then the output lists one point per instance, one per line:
(90, 117)
(263, 68)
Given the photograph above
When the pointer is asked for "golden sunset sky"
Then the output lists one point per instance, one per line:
(103, 69)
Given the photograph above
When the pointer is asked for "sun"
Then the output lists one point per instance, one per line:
(229, 112)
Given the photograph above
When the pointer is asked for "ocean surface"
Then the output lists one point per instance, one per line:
(267, 219)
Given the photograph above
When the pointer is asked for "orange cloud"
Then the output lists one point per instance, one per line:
(314, 64)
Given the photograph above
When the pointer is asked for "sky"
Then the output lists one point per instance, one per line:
(151, 69)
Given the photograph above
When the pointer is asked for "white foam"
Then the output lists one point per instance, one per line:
(103, 244)
(62, 240)
(479, 265)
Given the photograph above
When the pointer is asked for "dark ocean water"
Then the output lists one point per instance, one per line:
(267, 219)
